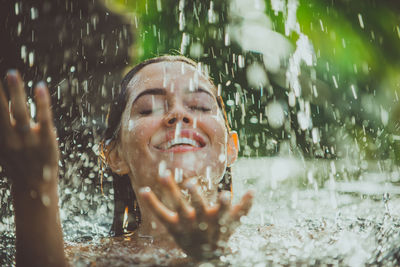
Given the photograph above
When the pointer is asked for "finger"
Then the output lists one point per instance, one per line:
(224, 205)
(197, 200)
(165, 215)
(176, 197)
(44, 115)
(243, 207)
(18, 98)
(4, 114)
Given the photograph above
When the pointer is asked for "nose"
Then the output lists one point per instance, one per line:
(178, 114)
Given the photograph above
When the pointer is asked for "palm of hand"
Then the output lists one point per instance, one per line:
(200, 230)
(27, 149)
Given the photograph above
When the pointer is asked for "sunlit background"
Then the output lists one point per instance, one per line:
(311, 86)
(309, 78)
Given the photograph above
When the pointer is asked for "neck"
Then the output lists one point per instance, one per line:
(150, 225)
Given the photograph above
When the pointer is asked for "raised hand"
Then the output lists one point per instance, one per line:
(28, 150)
(29, 156)
(199, 229)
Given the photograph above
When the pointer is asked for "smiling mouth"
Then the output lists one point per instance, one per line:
(182, 141)
(182, 144)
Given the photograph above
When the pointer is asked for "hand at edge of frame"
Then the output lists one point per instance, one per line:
(28, 150)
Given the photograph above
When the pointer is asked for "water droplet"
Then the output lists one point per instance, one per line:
(178, 175)
(203, 226)
(315, 135)
(353, 90)
(196, 50)
(31, 58)
(230, 102)
(23, 53)
(275, 115)
(227, 40)
(254, 120)
(208, 177)
(178, 130)
(19, 28)
(384, 116)
(185, 42)
(322, 25)
(191, 85)
(334, 81)
(131, 124)
(360, 19)
(33, 194)
(46, 200)
(182, 21)
(162, 169)
(256, 75)
(241, 61)
(222, 157)
(212, 16)
(304, 120)
(16, 8)
(34, 13)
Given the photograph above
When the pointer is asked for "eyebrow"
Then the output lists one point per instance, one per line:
(151, 91)
(201, 90)
(162, 91)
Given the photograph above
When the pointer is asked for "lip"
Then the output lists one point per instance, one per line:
(185, 133)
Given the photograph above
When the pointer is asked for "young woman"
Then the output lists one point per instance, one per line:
(167, 140)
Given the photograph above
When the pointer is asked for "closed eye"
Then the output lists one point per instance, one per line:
(145, 112)
(203, 109)
(154, 111)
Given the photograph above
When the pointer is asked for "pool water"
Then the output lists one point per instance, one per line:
(319, 212)
(306, 214)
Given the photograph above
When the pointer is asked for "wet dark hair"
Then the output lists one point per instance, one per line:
(124, 196)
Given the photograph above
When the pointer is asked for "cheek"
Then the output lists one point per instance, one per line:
(140, 128)
(136, 135)
(216, 155)
(215, 128)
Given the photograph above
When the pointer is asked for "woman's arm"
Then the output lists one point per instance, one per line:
(29, 155)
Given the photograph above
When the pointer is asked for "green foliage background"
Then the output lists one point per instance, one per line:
(356, 43)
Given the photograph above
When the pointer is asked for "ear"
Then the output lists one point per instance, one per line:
(233, 147)
(116, 162)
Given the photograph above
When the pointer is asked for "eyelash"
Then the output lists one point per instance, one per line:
(203, 109)
(146, 112)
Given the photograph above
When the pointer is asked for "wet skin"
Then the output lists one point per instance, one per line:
(167, 99)
(29, 154)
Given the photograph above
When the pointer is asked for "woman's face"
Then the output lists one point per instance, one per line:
(172, 121)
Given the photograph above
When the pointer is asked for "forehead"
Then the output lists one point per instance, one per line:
(169, 74)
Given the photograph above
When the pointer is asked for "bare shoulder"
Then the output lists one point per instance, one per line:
(124, 251)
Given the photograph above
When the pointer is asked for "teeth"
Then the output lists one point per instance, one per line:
(181, 141)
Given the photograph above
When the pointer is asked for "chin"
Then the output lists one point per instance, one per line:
(189, 165)
(186, 165)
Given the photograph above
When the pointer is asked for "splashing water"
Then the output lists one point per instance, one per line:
(310, 227)
(342, 211)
